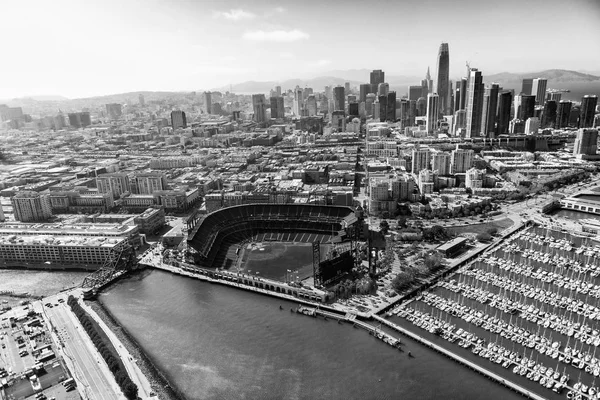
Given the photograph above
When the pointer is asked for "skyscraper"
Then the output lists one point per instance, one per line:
(504, 102)
(489, 127)
(463, 94)
(549, 114)
(526, 107)
(432, 112)
(383, 89)
(259, 105)
(207, 102)
(588, 110)
(178, 119)
(377, 77)
(475, 103)
(563, 114)
(443, 73)
(391, 106)
(278, 91)
(538, 89)
(364, 89)
(382, 107)
(141, 100)
(277, 107)
(526, 86)
(298, 102)
(414, 92)
(339, 99)
(311, 105)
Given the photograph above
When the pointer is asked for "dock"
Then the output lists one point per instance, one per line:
(469, 364)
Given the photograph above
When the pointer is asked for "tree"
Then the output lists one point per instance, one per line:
(484, 237)
(384, 227)
(401, 221)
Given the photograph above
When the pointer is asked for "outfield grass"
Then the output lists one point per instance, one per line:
(480, 227)
(276, 258)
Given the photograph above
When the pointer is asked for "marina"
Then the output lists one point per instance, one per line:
(526, 311)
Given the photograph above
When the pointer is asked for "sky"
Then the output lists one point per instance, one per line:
(81, 48)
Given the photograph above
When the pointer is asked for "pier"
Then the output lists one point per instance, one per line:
(460, 360)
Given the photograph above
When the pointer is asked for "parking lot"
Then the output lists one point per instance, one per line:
(29, 366)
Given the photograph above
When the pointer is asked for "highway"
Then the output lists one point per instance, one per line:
(90, 370)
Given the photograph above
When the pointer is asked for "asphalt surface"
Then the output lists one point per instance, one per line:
(90, 370)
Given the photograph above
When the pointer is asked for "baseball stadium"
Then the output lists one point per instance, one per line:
(284, 242)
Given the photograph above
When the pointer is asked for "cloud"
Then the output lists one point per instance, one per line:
(234, 14)
(320, 63)
(276, 36)
(286, 55)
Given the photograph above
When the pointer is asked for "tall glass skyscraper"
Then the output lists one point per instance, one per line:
(443, 74)
(475, 103)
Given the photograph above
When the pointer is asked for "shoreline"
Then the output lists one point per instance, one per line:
(160, 384)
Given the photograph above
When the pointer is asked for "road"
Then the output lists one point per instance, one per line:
(90, 370)
(134, 372)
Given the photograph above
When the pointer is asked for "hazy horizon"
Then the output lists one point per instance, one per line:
(82, 49)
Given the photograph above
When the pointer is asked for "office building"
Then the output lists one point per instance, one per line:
(277, 107)
(339, 98)
(383, 89)
(311, 105)
(563, 113)
(461, 160)
(432, 112)
(208, 102)
(414, 92)
(526, 86)
(588, 110)
(363, 91)
(443, 74)
(391, 106)
(114, 110)
(421, 159)
(115, 183)
(504, 105)
(377, 77)
(532, 125)
(474, 103)
(549, 114)
(459, 123)
(80, 119)
(524, 107)
(178, 119)
(421, 107)
(382, 100)
(463, 94)
(30, 206)
(259, 106)
(586, 142)
(538, 89)
(489, 111)
(353, 109)
(404, 113)
(298, 106)
(556, 96)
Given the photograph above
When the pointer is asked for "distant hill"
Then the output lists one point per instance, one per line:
(554, 76)
(34, 98)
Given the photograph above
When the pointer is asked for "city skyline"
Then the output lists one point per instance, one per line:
(160, 47)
